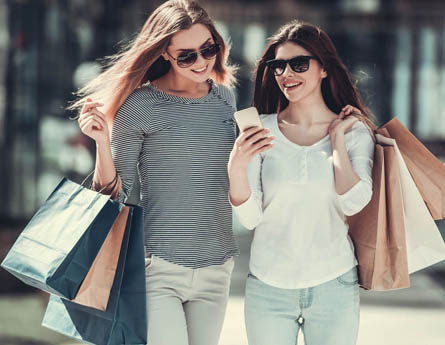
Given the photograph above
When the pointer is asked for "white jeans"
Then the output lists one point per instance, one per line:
(186, 306)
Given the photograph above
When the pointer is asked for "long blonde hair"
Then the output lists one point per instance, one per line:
(140, 61)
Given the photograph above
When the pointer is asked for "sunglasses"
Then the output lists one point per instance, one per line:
(187, 59)
(298, 64)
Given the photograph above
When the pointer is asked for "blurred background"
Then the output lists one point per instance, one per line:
(395, 50)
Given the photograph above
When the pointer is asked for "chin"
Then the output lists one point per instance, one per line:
(200, 78)
(293, 98)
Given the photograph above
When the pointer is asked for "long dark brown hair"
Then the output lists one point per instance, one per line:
(337, 88)
(140, 61)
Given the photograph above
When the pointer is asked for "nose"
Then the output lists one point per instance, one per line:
(199, 60)
(287, 71)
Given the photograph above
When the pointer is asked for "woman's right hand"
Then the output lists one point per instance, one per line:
(93, 123)
(251, 142)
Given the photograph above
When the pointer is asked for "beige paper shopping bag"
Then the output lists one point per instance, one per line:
(425, 245)
(378, 230)
(427, 171)
(95, 289)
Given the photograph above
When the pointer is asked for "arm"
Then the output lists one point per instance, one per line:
(118, 156)
(93, 123)
(353, 169)
(244, 170)
(246, 195)
(345, 175)
(126, 144)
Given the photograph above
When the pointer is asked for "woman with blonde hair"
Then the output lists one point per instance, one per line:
(297, 186)
(167, 101)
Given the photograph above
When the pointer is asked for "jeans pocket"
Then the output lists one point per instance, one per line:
(349, 278)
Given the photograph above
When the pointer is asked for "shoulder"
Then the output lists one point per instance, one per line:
(360, 137)
(226, 94)
(360, 130)
(143, 95)
(137, 106)
(139, 100)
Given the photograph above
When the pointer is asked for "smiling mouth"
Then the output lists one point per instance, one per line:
(291, 86)
(201, 70)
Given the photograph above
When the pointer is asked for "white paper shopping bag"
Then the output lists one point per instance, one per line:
(425, 245)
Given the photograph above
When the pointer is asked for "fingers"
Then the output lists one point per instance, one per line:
(92, 113)
(86, 125)
(253, 141)
(90, 125)
(89, 104)
(349, 110)
(264, 148)
(259, 135)
(247, 133)
(259, 144)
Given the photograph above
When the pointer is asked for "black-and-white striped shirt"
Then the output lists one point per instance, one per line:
(181, 147)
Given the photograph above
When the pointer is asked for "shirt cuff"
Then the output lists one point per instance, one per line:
(247, 213)
(355, 199)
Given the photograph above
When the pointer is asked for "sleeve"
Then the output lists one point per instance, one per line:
(126, 143)
(250, 213)
(227, 95)
(232, 99)
(361, 154)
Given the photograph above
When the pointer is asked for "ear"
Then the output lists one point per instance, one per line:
(324, 74)
(164, 56)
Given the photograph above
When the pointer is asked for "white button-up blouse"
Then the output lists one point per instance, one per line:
(301, 234)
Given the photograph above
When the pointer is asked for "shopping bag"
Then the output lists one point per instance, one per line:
(124, 321)
(57, 248)
(425, 245)
(427, 171)
(378, 231)
(96, 287)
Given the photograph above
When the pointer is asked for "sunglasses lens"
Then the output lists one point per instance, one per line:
(210, 52)
(277, 67)
(300, 64)
(186, 60)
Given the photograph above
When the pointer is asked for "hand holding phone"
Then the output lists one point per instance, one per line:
(247, 118)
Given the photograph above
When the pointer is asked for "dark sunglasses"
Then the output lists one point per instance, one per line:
(298, 64)
(187, 59)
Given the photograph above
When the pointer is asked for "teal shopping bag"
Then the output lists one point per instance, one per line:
(124, 321)
(58, 246)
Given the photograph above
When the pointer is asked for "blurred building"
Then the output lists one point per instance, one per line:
(394, 49)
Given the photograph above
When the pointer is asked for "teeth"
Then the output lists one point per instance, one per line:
(200, 70)
(291, 85)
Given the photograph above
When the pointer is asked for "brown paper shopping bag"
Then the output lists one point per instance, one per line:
(427, 171)
(424, 243)
(378, 231)
(95, 289)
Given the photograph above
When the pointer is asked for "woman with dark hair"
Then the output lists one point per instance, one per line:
(167, 101)
(297, 186)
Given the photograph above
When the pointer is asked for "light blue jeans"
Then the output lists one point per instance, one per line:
(328, 314)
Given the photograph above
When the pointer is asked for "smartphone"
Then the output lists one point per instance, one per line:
(248, 118)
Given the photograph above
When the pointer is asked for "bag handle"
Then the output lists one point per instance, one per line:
(112, 182)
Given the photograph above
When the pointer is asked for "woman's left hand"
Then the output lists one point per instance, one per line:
(344, 121)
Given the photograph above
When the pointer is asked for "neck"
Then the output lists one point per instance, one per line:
(306, 112)
(178, 83)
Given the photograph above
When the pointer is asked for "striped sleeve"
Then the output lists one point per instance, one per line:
(126, 142)
(227, 95)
